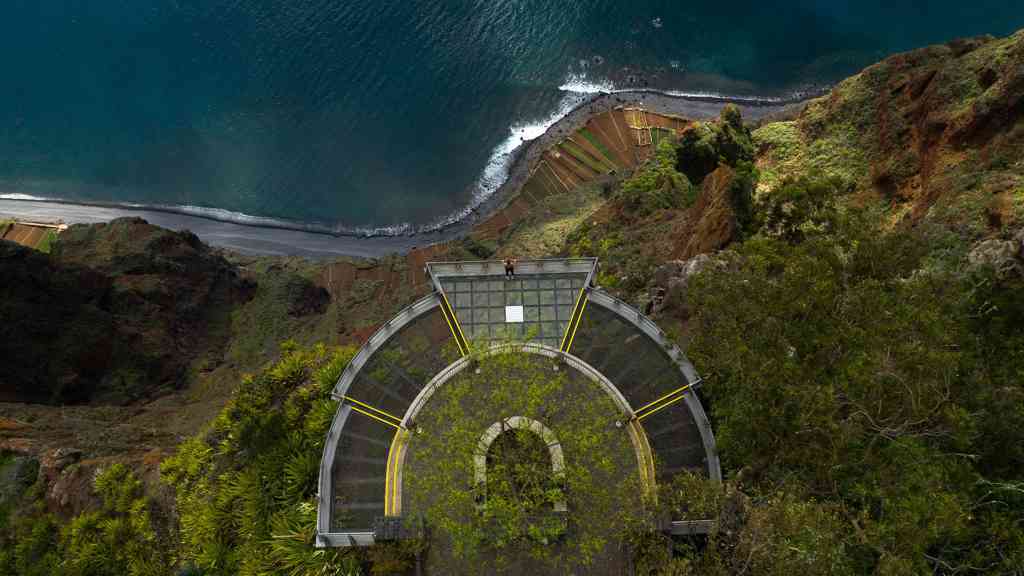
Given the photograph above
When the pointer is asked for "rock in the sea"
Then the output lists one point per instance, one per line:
(1002, 255)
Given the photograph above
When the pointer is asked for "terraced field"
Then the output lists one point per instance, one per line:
(611, 143)
(38, 237)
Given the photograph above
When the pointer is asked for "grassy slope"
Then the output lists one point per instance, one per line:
(543, 232)
(934, 134)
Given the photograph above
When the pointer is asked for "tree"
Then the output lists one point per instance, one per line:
(848, 367)
(246, 486)
(702, 148)
(119, 539)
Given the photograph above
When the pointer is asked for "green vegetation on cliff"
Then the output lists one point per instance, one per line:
(934, 133)
(243, 494)
(693, 196)
(657, 185)
(246, 486)
(129, 306)
(117, 538)
(856, 319)
(872, 377)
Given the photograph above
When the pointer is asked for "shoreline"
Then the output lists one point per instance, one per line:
(271, 237)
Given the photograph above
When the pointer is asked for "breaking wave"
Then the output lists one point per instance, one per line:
(577, 91)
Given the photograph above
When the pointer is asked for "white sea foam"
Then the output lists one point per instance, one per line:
(218, 214)
(251, 220)
(577, 89)
(19, 196)
(223, 215)
(578, 84)
(500, 162)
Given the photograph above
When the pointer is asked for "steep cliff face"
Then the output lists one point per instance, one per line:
(712, 219)
(117, 312)
(937, 133)
(54, 326)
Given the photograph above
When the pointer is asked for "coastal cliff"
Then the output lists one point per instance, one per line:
(847, 278)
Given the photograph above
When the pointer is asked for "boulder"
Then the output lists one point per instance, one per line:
(61, 458)
(1002, 255)
(668, 270)
(674, 277)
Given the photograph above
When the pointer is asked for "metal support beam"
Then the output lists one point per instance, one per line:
(651, 330)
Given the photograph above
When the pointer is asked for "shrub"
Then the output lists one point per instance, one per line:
(119, 538)
(246, 486)
(696, 156)
(703, 148)
(656, 185)
(478, 249)
(858, 375)
(741, 196)
(30, 546)
(799, 207)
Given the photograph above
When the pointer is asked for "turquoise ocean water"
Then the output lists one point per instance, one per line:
(357, 113)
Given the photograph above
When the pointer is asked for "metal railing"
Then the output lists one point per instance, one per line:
(438, 270)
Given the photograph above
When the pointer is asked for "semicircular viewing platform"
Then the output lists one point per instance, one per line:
(549, 307)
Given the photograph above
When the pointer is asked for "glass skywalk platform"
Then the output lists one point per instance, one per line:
(553, 307)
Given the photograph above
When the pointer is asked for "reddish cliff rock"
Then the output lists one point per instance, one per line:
(711, 220)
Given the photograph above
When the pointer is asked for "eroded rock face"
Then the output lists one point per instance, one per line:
(671, 281)
(929, 127)
(68, 482)
(714, 220)
(61, 458)
(55, 326)
(116, 312)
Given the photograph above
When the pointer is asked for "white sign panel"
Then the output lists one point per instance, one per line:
(513, 314)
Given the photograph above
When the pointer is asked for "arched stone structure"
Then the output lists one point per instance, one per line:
(520, 423)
